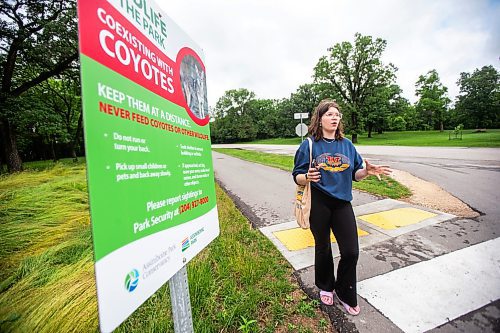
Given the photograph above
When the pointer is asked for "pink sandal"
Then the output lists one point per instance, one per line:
(326, 297)
(353, 311)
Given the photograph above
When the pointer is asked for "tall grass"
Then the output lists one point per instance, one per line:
(47, 268)
(45, 250)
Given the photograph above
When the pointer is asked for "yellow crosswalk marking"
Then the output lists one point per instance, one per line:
(298, 239)
(396, 218)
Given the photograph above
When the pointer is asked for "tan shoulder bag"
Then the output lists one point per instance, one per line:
(302, 208)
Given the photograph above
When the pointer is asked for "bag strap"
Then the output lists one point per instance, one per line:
(310, 152)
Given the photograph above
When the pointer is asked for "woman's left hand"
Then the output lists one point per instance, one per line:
(377, 170)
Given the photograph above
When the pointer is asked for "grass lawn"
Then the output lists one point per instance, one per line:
(387, 187)
(470, 138)
(47, 276)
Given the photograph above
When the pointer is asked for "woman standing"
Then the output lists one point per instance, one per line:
(336, 163)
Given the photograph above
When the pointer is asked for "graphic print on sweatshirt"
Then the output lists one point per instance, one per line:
(333, 163)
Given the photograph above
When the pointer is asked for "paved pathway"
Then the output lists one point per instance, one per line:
(437, 273)
(470, 174)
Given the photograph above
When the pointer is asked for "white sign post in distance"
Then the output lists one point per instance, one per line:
(301, 129)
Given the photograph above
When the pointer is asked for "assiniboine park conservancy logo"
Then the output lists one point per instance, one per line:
(185, 244)
(132, 280)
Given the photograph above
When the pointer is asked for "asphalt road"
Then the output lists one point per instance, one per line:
(471, 174)
(265, 194)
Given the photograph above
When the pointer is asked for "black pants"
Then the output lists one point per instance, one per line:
(327, 214)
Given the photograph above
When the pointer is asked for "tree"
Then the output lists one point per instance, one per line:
(233, 117)
(401, 115)
(285, 126)
(326, 91)
(265, 116)
(398, 123)
(62, 96)
(433, 101)
(304, 100)
(38, 40)
(354, 72)
(39, 128)
(377, 111)
(478, 105)
(233, 102)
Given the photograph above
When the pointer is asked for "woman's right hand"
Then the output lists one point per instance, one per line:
(313, 175)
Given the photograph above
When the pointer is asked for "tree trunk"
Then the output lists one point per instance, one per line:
(14, 162)
(441, 127)
(76, 140)
(73, 153)
(370, 130)
(354, 124)
(354, 138)
(52, 149)
(2, 158)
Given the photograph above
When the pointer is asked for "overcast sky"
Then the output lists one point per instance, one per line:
(271, 46)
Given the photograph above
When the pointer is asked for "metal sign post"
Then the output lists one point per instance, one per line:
(181, 304)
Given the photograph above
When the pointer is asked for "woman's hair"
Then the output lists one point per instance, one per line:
(315, 129)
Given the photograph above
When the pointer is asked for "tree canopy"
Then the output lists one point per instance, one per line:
(355, 72)
(233, 121)
(433, 100)
(478, 105)
(38, 40)
(40, 106)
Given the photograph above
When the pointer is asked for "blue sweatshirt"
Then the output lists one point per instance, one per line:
(337, 160)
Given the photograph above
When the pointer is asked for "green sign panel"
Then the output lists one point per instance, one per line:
(150, 174)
